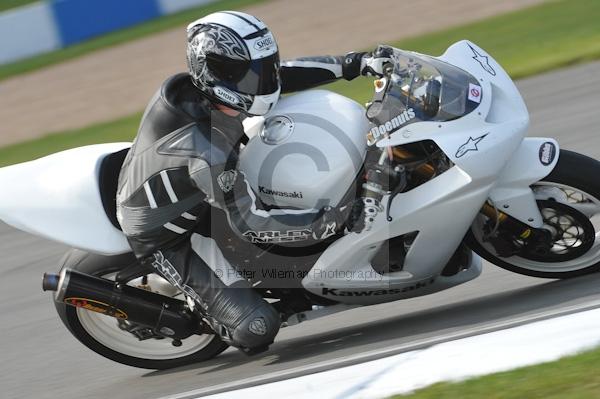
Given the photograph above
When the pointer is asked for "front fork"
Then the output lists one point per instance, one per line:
(536, 237)
(502, 221)
(514, 193)
(518, 228)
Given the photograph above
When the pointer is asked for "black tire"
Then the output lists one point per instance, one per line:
(101, 265)
(574, 170)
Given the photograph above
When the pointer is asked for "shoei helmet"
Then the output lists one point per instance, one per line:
(234, 60)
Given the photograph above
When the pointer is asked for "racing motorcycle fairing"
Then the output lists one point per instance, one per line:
(58, 197)
(484, 143)
(346, 265)
(308, 151)
(512, 192)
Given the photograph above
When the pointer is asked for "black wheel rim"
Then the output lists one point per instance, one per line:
(572, 234)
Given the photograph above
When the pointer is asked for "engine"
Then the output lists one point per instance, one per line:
(309, 152)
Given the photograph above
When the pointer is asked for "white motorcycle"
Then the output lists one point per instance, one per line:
(461, 182)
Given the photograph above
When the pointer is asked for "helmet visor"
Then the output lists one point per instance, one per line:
(255, 77)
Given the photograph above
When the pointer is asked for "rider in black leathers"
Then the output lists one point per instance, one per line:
(184, 159)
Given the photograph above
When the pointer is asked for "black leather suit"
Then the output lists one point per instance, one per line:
(183, 161)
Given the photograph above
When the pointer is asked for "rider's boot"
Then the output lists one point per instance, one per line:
(235, 311)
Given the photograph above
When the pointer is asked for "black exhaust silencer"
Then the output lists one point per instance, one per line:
(167, 316)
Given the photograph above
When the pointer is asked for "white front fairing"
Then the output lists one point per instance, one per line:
(58, 197)
(489, 139)
(491, 160)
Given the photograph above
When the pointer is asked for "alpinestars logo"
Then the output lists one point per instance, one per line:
(287, 194)
(270, 237)
(393, 124)
(470, 145)
(483, 60)
(226, 180)
(329, 230)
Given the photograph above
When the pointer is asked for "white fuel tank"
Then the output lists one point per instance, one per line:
(309, 151)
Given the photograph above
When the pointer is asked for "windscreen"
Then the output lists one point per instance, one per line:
(420, 88)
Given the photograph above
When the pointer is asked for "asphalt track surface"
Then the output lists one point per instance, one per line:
(40, 359)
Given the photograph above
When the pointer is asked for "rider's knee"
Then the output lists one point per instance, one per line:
(245, 320)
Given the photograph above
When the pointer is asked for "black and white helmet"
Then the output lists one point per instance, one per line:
(233, 58)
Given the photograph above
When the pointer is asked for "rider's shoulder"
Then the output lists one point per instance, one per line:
(174, 105)
(177, 89)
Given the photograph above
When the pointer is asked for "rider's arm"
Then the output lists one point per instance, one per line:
(304, 73)
(228, 189)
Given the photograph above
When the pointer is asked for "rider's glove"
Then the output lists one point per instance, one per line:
(373, 64)
(356, 219)
(329, 222)
(352, 66)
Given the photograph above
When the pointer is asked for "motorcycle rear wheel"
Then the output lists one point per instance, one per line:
(574, 182)
(103, 335)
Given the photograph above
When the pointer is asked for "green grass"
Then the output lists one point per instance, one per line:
(123, 129)
(8, 4)
(525, 42)
(147, 28)
(574, 377)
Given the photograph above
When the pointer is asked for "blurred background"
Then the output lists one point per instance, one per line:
(74, 72)
(77, 72)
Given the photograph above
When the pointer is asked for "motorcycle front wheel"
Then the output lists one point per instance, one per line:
(569, 201)
(108, 336)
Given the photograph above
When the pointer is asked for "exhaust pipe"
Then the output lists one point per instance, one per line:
(165, 315)
(50, 282)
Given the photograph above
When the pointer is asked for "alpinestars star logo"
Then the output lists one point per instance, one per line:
(470, 145)
(484, 61)
(226, 180)
(329, 231)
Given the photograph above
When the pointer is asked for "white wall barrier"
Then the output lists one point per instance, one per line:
(173, 6)
(53, 24)
(27, 31)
